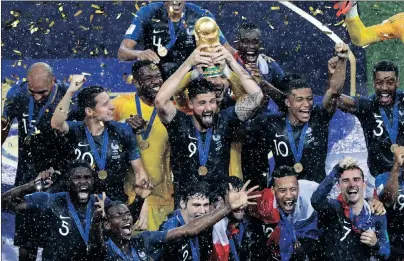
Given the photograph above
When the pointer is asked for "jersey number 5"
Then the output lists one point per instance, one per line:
(64, 230)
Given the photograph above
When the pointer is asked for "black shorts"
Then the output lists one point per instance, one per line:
(30, 229)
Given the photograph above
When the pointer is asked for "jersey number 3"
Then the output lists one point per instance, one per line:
(379, 129)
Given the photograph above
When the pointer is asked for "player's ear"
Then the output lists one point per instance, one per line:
(183, 204)
(190, 104)
(107, 225)
(89, 111)
(287, 102)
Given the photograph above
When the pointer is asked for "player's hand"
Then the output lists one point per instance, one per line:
(142, 222)
(253, 69)
(221, 55)
(341, 50)
(44, 179)
(76, 82)
(137, 123)
(144, 188)
(376, 207)
(99, 212)
(240, 199)
(198, 57)
(369, 238)
(148, 55)
(399, 156)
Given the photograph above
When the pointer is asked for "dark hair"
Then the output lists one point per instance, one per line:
(73, 165)
(247, 26)
(283, 171)
(195, 188)
(222, 186)
(384, 66)
(137, 65)
(291, 82)
(112, 204)
(86, 97)
(199, 86)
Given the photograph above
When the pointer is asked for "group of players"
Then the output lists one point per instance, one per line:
(174, 156)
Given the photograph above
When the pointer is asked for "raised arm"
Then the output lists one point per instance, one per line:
(337, 75)
(319, 199)
(165, 108)
(391, 193)
(61, 113)
(126, 52)
(97, 248)
(236, 200)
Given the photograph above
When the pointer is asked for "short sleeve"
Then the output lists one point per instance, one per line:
(142, 17)
(10, 108)
(131, 144)
(38, 200)
(175, 124)
(153, 240)
(320, 114)
(277, 73)
(74, 129)
(363, 105)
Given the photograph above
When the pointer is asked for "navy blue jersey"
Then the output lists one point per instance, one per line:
(145, 244)
(180, 249)
(122, 148)
(151, 27)
(380, 157)
(268, 132)
(184, 150)
(46, 149)
(64, 241)
(245, 240)
(395, 214)
(341, 241)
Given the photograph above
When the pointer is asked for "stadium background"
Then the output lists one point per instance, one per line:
(75, 37)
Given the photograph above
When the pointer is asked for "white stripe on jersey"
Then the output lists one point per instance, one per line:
(131, 28)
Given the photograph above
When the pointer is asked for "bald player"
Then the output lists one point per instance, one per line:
(32, 104)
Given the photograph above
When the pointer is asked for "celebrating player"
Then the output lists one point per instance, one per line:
(200, 144)
(352, 231)
(108, 146)
(68, 214)
(390, 187)
(33, 105)
(152, 137)
(298, 138)
(167, 32)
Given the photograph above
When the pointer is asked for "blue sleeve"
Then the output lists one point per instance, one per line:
(153, 240)
(277, 73)
(10, 108)
(74, 129)
(363, 106)
(130, 141)
(142, 17)
(319, 199)
(380, 182)
(383, 243)
(38, 200)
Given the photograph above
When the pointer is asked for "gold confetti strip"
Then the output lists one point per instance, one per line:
(15, 13)
(78, 13)
(315, 12)
(47, 20)
(298, 47)
(243, 18)
(118, 16)
(274, 8)
(61, 8)
(285, 21)
(339, 23)
(83, 27)
(155, 20)
(327, 32)
(103, 65)
(328, 7)
(15, 23)
(97, 27)
(47, 31)
(64, 16)
(105, 51)
(235, 12)
(99, 11)
(19, 62)
(37, 132)
(129, 79)
(95, 6)
(91, 18)
(17, 52)
(51, 23)
(134, 14)
(24, 79)
(47, 110)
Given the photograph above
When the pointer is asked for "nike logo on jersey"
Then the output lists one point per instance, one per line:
(62, 217)
(278, 135)
(82, 145)
(25, 115)
(192, 138)
(376, 115)
(157, 32)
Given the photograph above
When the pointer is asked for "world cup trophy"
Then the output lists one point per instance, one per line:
(207, 32)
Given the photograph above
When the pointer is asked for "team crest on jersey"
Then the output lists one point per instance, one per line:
(116, 150)
(216, 138)
(142, 254)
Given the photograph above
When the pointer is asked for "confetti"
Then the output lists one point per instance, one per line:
(85, 74)
(95, 6)
(328, 7)
(15, 13)
(51, 23)
(103, 65)
(327, 32)
(339, 23)
(17, 52)
(19, 62)
(137, 6)
(105, 51)
(298, 48)
(134, 14)
(78, 13)
(37, 132)
(97, 27)
(315, 12)
(15, 23)
(243, 18)
(91, 18)
(64, 16)
(74, 50)
(235, 12)
(118, 16)
(83, 27)
(155, 20)
(273, 8)
(47, 110)
(99, 11)
(47, 31)
(60, 8)
(129, 80)
(285, 21)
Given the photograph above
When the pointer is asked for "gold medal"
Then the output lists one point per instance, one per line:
(102, 174)
(203, 170)
(298, 167)
(27, 140)
(144, 145)
(162, 51)
(393, 147)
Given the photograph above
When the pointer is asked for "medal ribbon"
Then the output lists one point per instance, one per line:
(240, 238)
(391, 129)
(83, 232)
(41, 111)
(173, 34)
(145, 133)
(297, 154)
(194, 245)
(121, 254)
(101, 161)
(203, 147)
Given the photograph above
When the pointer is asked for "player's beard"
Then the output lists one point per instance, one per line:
(204, 120)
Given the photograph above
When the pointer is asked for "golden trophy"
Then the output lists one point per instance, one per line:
(207, 32)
